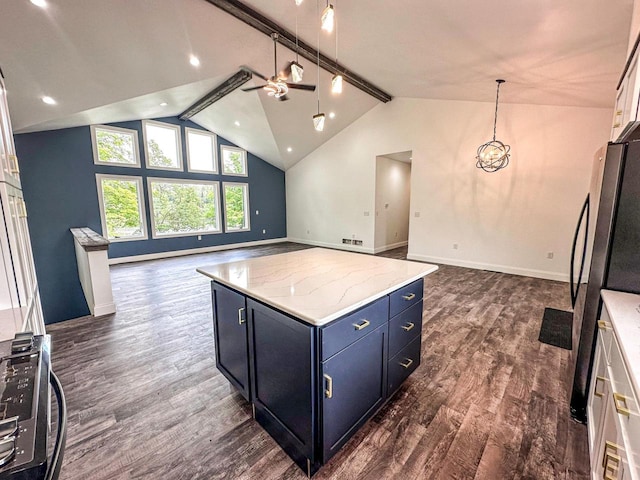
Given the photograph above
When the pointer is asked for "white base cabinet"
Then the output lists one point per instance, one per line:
(613, 413)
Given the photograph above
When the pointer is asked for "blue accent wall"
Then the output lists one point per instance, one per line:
(59, 184)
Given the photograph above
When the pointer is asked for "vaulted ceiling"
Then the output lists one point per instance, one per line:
(114, 60)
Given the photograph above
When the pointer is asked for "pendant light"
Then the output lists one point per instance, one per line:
(319, 118)
(336, 81)
(298, 2)
(493, 155)
(297, 71)
(327, 18)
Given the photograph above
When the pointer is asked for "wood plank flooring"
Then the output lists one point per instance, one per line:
(488, 401)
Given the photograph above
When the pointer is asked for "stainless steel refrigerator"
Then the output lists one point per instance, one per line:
(614, 251)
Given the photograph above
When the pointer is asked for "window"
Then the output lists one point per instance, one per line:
(201, 151)
(236, 207)
(162, 146)
(234, 161)
(121, 207)
(115, 146)
(183, 207)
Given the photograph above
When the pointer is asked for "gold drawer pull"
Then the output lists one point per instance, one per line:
(616, 125)
(407, 364)
(22, 208)
(611, 465)
(329, 391)
(409, 297)
(361, 325)
(13, 167)
(595, 390)
(619, 112)
(620, 402)
(241, 318)
(602, 325)
(408, 326)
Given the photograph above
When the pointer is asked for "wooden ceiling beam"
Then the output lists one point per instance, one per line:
(267, 26)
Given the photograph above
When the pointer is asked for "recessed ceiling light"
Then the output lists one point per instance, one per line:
(48, 100)
(289, 149)
(332, 114)
(195, 61)
(39, 3)
(164, 104)
(236, 123)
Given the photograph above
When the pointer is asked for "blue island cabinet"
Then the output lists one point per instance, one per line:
(312, 387)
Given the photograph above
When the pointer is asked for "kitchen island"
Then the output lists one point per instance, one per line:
(317, 340)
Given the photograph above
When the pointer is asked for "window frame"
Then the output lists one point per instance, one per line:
(216, 185)
(247, 210)
(141, 205)
(109, 128)
(177, 129)
(214, 137)
(244, 161)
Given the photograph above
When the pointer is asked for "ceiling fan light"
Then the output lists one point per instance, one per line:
(336, 83)
(296, 72)
(318, 122)
(327, 18)
(298, 2)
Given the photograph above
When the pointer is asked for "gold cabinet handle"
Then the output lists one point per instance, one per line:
(408, 326)
(610, 462)
(408, 362)
(22, 208)
(409, 297)
(361, 325)
(595, 389)
(13, 164)
(616, 125)
(602, 325)
(620, 402)
(329, 391)
(241, 318)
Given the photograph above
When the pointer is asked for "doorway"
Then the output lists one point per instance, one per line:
(393, 191)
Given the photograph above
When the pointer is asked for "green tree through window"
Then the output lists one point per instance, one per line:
(121, 208)
(184, 207)
(235, 205)
(114, 147)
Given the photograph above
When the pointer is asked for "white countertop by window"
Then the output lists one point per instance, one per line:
(317, 285)
(624, 310)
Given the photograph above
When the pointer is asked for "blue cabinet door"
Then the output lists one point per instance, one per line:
(354, 387)
(230, 332)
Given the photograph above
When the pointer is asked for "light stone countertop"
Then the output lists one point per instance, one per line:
(624, 310)
(317, 285)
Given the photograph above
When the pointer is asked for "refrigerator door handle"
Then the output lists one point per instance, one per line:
(575, 283)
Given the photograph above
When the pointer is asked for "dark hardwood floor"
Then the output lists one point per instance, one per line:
(488, 401)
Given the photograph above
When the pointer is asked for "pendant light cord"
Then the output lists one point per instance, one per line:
(297, 35)
(318, 83)
(495, 118)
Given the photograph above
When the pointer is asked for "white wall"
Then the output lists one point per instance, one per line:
(505, 221)
(393, 188)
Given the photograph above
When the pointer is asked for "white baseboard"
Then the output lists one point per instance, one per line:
(104, 309)
(526, 272)
(390, 247)
(191, 251)
(338, 246)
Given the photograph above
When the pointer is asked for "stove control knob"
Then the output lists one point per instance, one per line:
(7, 450)
(8, 427)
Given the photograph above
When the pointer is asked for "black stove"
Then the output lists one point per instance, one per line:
(25, 374)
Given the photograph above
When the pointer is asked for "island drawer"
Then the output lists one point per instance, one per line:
(343, 332)
(404, 327)
(402, 365)
(405, 297)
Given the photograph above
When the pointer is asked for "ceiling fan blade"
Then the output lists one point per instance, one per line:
(257, 74)
(251, 89)
(302, 86)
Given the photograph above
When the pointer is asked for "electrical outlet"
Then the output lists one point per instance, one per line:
(550, 255)
(257, 212)
(199, 237)
(416, 214)
(455, 246)
(366, 214)
(308, 232)
(353, 236)
(264, 231)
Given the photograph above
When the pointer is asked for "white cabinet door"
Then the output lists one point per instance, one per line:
(598, 398)
(10, 171)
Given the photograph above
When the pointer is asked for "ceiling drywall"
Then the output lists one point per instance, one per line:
(106, 61)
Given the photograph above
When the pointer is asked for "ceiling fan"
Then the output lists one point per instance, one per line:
(277, 86)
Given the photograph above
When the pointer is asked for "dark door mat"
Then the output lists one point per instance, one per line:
(556, 328)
